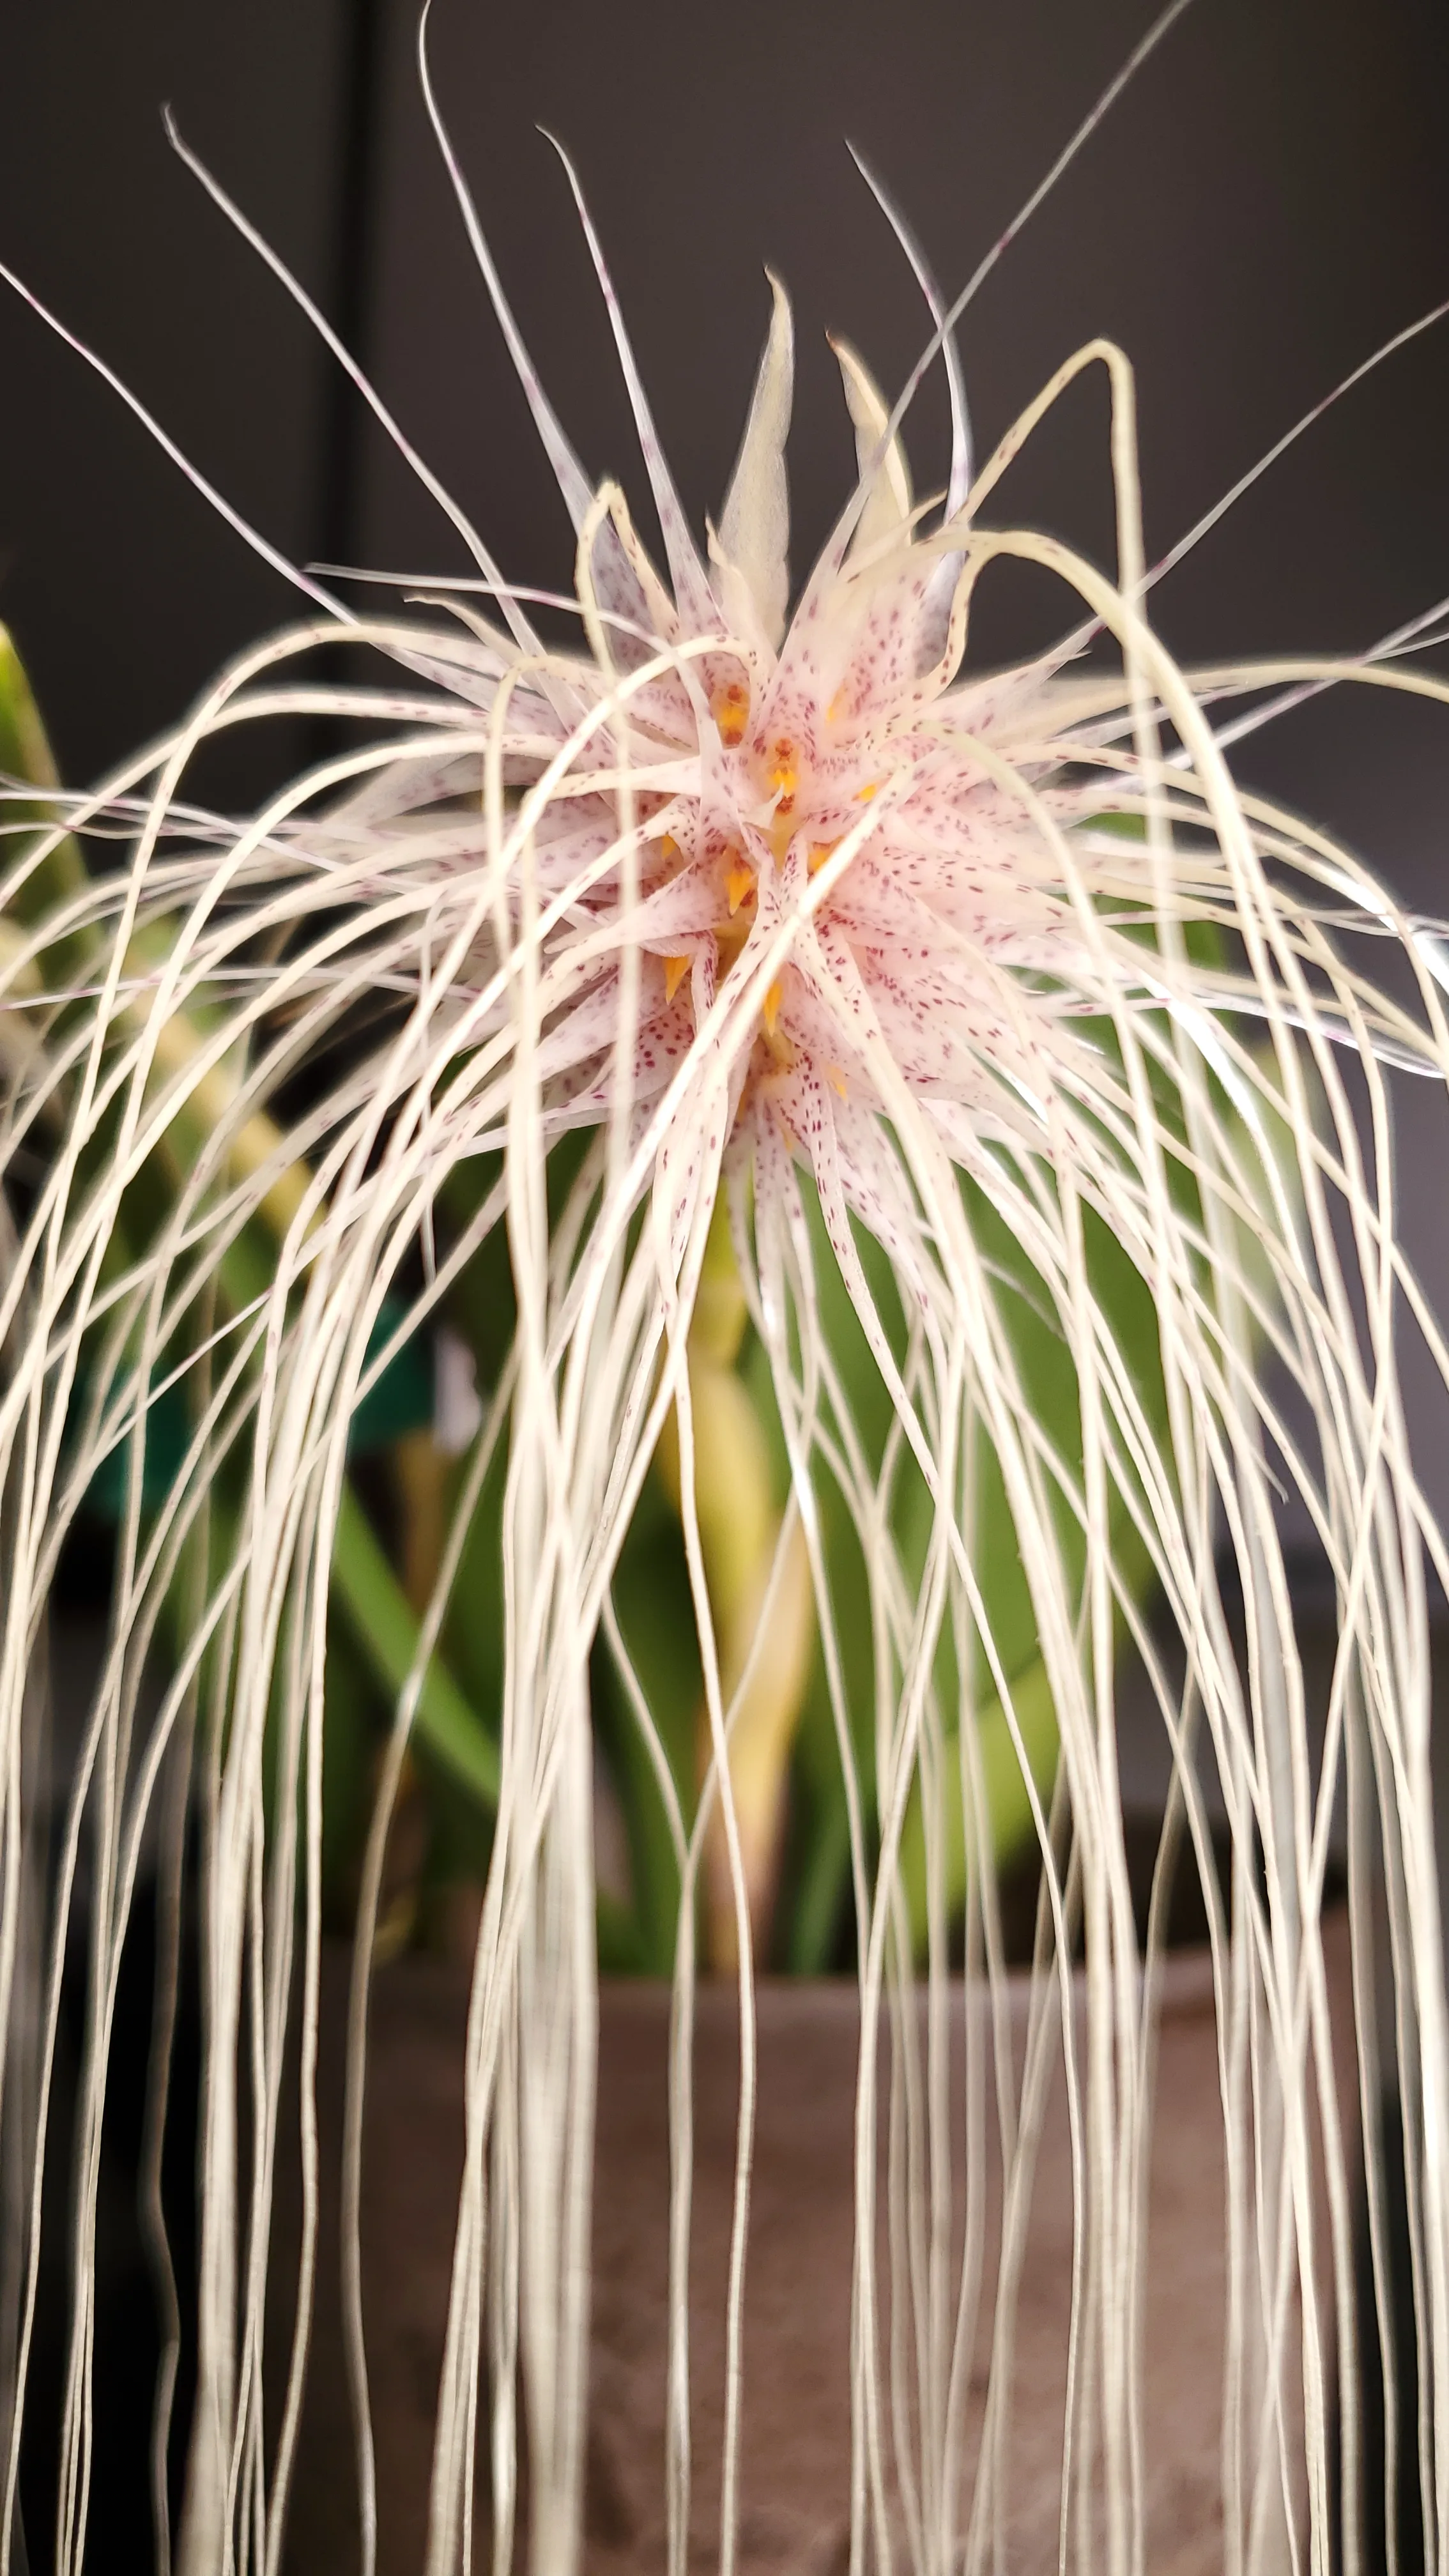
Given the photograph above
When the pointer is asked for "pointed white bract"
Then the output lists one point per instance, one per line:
(912, 963)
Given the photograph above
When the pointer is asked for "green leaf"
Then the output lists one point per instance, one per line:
(370, 1598)
(25, 755)
(818, 1882)
(656, 1621)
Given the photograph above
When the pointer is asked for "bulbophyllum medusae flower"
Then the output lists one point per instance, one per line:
(970, 996)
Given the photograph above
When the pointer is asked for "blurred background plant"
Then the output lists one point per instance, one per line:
(423, 1401)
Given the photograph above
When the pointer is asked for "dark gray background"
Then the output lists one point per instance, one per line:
(1268, 201)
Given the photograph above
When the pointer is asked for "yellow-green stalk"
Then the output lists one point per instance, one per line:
(760, 1598)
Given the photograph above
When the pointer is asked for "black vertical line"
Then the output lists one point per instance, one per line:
(337, 509)
(355, 238)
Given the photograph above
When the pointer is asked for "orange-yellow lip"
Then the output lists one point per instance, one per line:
(739, 882)
(730, 708)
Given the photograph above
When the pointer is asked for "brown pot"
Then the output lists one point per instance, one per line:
(796, 2433)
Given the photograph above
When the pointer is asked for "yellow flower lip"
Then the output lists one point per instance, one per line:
(739, 882)
(730, 708)
(784, 777)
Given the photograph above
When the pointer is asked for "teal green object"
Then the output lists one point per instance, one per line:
(401, 1401)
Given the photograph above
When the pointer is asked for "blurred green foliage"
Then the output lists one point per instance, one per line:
(458, 1718)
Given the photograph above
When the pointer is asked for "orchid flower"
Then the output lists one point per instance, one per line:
(1006, 1034)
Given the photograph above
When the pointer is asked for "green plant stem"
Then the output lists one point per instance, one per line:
(382, 1624)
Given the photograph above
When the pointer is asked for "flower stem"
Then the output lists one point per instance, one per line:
(741, 1537)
